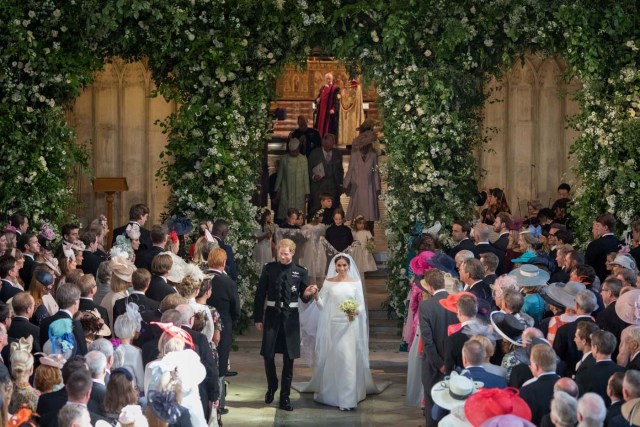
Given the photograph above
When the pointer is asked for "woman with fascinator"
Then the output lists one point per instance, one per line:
(164, 404)
(341, 375)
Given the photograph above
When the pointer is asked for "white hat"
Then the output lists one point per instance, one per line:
(454, 390)
(624, 261)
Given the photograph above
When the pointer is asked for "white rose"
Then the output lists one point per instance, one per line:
(427, 53)
(407, 107)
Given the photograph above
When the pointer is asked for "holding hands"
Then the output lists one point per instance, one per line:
(311, 291)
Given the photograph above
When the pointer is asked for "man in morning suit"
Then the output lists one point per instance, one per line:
(90, 260)
(631, 340)
(138, 214)
(604, 243)
(595, 380)
(68, 299)
(220, 231)
(23, 307)
(281, 283)
(9, 275)
(140, 279)
(467, 306)
(333, 173)
(481, 233)
(608, 319)
(460, 231)
(564, 342)
(97, 364)
(472, 275)
(614, 391)
(538, 391)
(88, 289)
(159, 236)
(473, 357)
(501, 226)
(159, 287)
(30, 246)
(434, 322)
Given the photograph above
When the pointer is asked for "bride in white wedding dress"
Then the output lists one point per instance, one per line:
(341, 375)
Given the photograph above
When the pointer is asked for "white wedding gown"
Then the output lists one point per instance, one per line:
(341, 375)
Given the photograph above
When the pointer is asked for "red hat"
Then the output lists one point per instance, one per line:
(419, 263)
(451, 301)
(491, 402)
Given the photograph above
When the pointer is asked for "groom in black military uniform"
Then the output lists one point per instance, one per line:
(281, 283)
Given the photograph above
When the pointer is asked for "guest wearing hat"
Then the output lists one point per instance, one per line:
(539, 392)
(68, 298)
(418, 265)
(292, 184)
(434, 321)
(450, 395)
(495, 406)
(122, 269)
(564, 344)
(561, 297)
(362, 181)
(531, 281)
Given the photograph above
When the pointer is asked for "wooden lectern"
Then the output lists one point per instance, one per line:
(110, 186)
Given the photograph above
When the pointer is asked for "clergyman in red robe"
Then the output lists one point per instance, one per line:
(327, 105)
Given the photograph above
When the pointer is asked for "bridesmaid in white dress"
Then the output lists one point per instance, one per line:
(314, 258)
(262, 253)
(341, 375)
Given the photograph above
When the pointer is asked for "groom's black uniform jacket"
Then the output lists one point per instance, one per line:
(282, 284)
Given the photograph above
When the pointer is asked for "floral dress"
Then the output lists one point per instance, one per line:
(23, 395)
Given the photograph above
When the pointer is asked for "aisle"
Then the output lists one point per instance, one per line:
(245, 399)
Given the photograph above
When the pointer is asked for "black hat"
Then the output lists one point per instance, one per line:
(508, 326)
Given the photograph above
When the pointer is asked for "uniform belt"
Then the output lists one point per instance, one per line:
(273, 304)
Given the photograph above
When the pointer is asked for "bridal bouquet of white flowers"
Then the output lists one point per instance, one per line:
(350, 307)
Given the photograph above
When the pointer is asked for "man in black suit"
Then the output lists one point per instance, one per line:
(138, 214)
(20, 222)
(595, 379)
(140, 280)
(564, 343)
(481, 234)
(608, 319)
(631, 341)
(50, 403)
(604, 243)
(467, 311)
(90, 260)
(159, 236)
(471, 274)
(501, 226)
(9, 275)
(158, 286)
(630, 392)
(331, 181)
(538, 391)
(209, 387)
(23, 307)
(489, 262)
(97, 364)
(434, 322)
(78, 388)
(70, 237)
(460, 231)
(614, 391)
(281, 284)
(224, 297)
(88, 289)
(30, 246)
(583, 344)
(220, 231)
(68, 299)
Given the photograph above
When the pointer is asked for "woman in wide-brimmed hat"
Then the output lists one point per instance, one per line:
(451, 395)
(561, 297)
(531, 280)
(121, 269)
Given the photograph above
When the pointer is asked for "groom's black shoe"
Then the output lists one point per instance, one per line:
(285, 404)
(268, 397)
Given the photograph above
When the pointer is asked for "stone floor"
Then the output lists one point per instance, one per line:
(245, 398)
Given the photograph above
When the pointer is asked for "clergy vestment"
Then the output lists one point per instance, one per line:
(328, 100)
(292, 183)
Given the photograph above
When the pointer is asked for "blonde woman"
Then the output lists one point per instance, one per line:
(21, 370)
(121, 269)
(164, 406)
(189, 288)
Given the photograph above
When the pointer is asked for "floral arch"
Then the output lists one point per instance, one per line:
(218, 60)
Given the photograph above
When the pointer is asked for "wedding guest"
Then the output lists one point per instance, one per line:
(9, 276)
(138, 215)
(595, 380)
(563, 410)
(121, 269)
(159, 236)
(220, 232)
(160, 270)
(68, 299)
(97, 364)
(21, 370)
(88, 287)
(501, 226)
(604, 241)
(164, 408)
(362, 181)
(120, 393)
(591, 410)
(614, 391)
(326, 173)
(608, 319)
(140, 280)
(309, 137)
(20, 223)
(489, 262)
(30, 247)
(539, 392)
(127, 356)
(90, 260)
(48, 375)
(23, 305)
(100, 227)
(41, 288)
(481, 234)
(103, 282)
(496, 203)
(292, 183)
